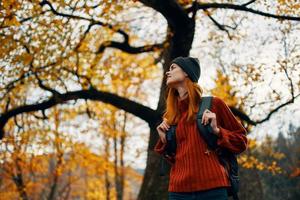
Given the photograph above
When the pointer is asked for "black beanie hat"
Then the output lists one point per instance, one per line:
(190, 65)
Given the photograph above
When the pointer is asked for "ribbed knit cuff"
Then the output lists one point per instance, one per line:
(159, 147)
(222, 137)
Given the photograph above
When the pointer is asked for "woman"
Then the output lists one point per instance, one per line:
(196, 172)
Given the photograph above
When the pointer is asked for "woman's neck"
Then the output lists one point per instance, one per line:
(183, 96)
(182, 92)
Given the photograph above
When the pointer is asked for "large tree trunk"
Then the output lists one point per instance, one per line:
(155, 186)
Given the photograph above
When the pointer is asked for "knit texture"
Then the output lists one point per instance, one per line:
(193, 169)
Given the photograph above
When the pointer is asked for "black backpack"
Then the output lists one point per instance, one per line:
(226, 158)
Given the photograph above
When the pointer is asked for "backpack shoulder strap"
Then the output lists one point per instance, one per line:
(211, 139)
(206, 130)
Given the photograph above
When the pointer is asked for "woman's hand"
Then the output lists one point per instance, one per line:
(161, 129)
(210, 117)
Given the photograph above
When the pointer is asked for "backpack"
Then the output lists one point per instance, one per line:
(226, 158)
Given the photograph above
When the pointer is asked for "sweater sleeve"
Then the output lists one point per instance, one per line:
(159, 148)
(232, 135)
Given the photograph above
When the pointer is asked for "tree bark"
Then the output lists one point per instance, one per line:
(155, 186)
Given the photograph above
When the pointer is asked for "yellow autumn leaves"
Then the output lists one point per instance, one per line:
(9, 6)
(249, 161)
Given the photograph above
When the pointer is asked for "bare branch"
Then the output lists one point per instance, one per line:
(32, 17)
(93, 21)
(277, 109)
(137, 109)
(124, 46)
(243, 7)
(7, 104)
(248, 3)
(43, 86)
(220, 26)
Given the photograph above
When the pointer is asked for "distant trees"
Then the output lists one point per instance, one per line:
(280, 179)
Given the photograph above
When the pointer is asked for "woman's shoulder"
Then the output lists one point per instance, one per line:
(217, 101)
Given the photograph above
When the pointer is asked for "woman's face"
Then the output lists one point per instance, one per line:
(175, 75)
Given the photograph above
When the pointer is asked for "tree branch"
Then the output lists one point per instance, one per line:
(147, 114)
(171, 10)
(220, 26)
(124, 46)
(248, 3)
(246, 118)
(277, 109)
(243, 7)
(181, 27)
(71, 16)
(137, 109)
(43, 86)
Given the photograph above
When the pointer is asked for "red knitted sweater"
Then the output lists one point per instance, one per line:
(193, 169)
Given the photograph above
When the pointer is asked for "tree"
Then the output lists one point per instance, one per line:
(45, 44)
(46, 163)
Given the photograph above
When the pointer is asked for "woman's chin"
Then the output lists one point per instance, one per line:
(170, 83)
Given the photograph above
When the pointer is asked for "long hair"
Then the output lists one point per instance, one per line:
(171, 112)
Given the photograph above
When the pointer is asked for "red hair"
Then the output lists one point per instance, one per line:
(171, 112)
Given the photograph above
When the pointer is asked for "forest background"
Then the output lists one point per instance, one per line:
(82, 88)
